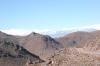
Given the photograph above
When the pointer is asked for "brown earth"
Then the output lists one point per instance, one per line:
(75, 49)
(42, 45)
(12, 54)
(78, 39)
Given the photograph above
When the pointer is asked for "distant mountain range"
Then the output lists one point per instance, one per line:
(62, 33)
(52, 33)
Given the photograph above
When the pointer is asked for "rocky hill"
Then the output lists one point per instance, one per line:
(75, 49)
(81, 49)
(42, 45)
(12, 54)
(78, 39)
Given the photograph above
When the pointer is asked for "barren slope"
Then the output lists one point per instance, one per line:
(12, 54)
(42, 45)
(78, 39)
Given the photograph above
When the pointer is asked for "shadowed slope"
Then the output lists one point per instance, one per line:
(42, 45)
(12, 54)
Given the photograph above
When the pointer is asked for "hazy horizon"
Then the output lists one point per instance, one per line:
(47, 15)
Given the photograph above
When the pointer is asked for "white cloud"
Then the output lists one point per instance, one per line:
(22, 32)
(97, 27)
(17, 31)
(48, 31)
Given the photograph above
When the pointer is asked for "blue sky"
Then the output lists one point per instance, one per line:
(48, 14)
